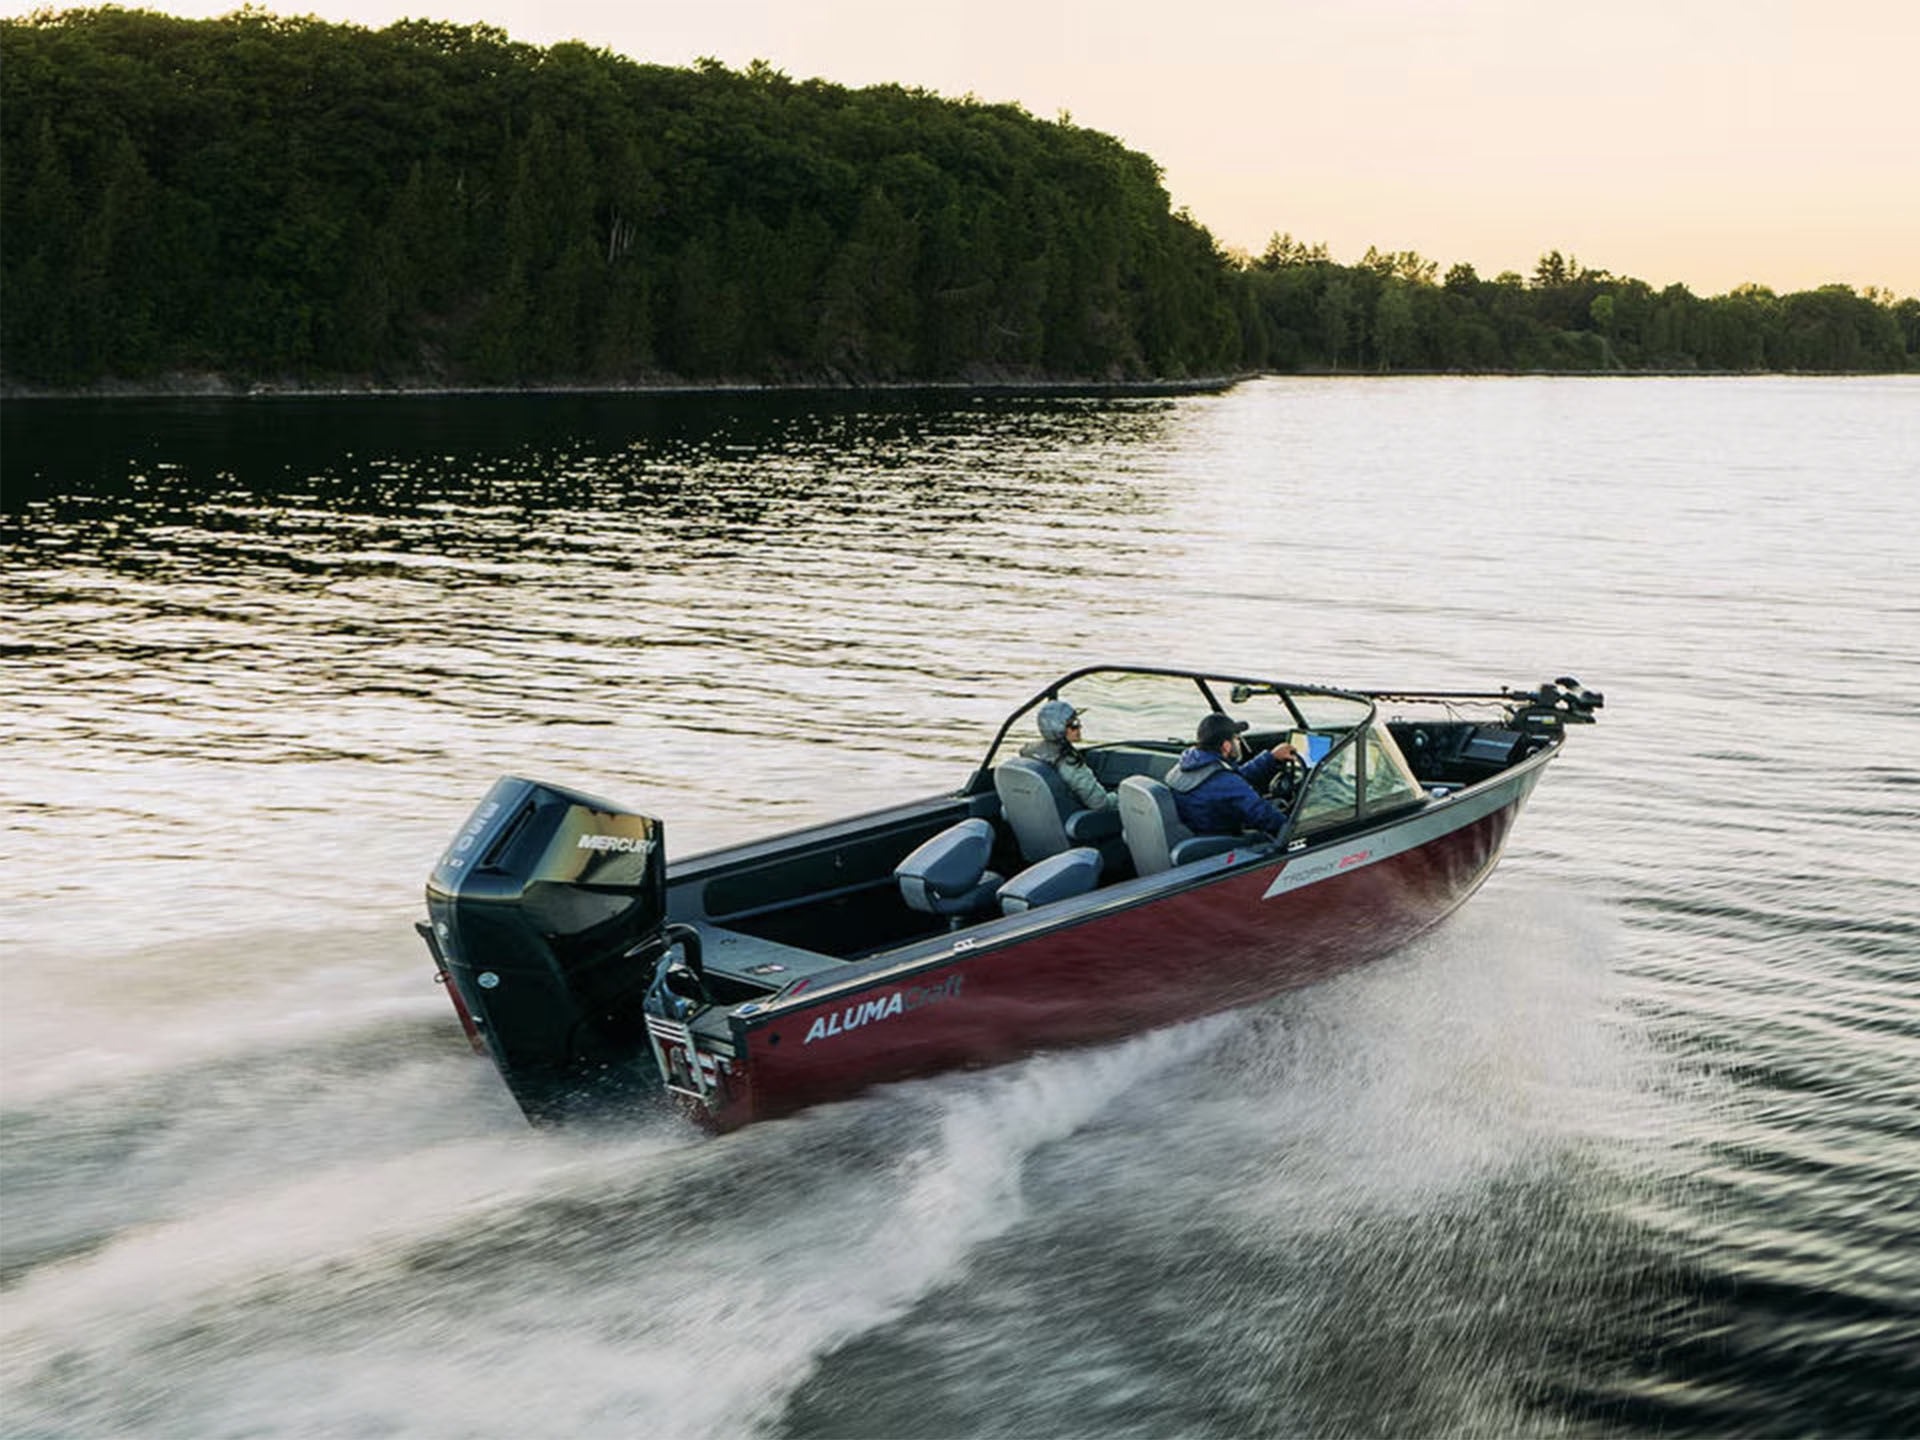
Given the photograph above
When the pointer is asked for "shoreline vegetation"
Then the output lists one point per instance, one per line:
(259, 205)
(221, 388)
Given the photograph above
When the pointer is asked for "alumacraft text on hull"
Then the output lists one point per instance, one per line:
(974, 926)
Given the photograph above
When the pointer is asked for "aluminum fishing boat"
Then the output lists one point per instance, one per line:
(978, 925)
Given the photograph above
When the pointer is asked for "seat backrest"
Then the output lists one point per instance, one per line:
(1036, 803)
(946, 873)
(1150, 824)
(1071, 872)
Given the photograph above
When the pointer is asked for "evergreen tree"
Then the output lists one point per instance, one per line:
(265, 196)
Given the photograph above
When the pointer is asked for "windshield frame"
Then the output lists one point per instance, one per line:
(1209, 685)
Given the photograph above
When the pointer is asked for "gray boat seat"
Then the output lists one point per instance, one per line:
(948, 874)
(1044, 815)
(1071, 872)
(1155, 837)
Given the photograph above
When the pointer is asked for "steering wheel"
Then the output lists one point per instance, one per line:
(1285, 785)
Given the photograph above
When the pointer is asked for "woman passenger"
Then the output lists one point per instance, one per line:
(1058, 746)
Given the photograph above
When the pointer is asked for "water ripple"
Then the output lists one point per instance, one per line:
(1628, 1146)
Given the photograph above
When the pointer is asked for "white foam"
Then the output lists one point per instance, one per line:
(1488, 1047)
(729, 1269)
(281, 1231)
(131, 1017)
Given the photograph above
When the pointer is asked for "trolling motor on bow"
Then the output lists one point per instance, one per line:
(1556, 703)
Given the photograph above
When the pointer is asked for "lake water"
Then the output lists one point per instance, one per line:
(1631, 1145)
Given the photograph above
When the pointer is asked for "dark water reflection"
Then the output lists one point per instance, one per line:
(1627, 1147)
(511, 561)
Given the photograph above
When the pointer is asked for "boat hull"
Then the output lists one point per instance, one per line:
(1149, 959)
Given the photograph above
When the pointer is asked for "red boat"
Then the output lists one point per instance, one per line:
(979, 925)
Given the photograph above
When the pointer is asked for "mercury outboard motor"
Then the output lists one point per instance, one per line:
(547, 916)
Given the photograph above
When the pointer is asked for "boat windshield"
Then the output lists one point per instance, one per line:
(1334, 791)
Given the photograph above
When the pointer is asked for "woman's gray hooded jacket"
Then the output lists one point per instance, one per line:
(1053, 749)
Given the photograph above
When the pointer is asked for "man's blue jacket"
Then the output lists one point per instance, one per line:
(1213, 798)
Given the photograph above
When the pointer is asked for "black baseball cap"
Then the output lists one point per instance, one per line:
(1216, 728)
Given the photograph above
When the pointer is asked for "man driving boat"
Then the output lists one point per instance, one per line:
(1212, 795)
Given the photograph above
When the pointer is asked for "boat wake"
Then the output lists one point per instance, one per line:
(272, 1263)
(357, 1234)
(1364, 1180)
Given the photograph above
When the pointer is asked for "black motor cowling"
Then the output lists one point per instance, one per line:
(1556, 703)
(548, 915)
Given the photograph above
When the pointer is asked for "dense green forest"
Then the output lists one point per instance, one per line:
(288, 200)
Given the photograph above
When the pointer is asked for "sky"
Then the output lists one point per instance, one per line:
(1709, 142)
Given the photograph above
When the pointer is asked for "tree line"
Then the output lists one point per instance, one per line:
(1394, 310)
(282, 198)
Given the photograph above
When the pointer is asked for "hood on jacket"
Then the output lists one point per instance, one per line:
(1053, 719)
(1195, 766)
